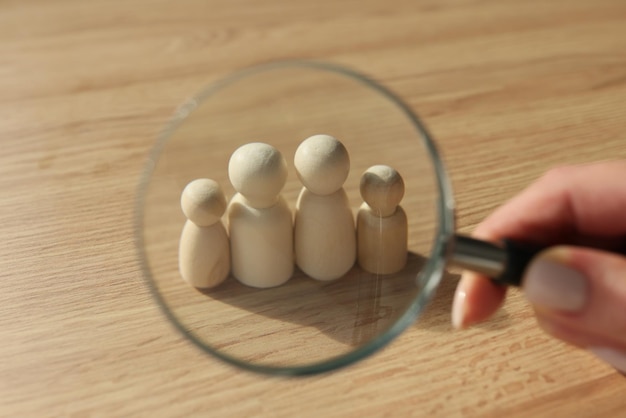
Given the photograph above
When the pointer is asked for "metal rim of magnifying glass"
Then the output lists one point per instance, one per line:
(429, 276)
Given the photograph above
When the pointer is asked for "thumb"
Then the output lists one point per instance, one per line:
(579, 296)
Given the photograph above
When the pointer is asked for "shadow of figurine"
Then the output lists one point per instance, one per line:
(353, 310)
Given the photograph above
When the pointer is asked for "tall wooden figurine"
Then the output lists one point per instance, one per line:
(381, 223)
(325, 236)
(259, 219)
(204, 253)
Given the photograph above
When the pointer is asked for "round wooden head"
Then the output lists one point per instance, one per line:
(203, 202)
(382, 188)
(258, 171)
(322, 164)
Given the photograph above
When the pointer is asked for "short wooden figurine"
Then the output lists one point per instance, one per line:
(381, 222)
(204, 253)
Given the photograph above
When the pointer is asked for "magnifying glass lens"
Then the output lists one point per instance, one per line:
(305, 325)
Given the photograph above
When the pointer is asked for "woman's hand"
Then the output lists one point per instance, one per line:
(578, 293)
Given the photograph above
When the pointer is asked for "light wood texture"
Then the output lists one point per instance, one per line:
(508, 88)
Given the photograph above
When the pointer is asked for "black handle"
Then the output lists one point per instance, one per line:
(505, 262)
(518, 257)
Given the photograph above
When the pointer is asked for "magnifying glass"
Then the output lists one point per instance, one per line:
(305, 326)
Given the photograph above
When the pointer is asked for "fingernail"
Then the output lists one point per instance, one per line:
(551, 284)
(458, 308)
(613, 357)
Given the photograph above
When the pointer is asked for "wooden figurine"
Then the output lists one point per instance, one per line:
(260, 221)
(381, 223)
(204, 252)
(325, 236)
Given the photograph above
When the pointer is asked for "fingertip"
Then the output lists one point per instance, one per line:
(551, 283)
(476, 299)
(458, 306)
(578, 294)
(613, 357)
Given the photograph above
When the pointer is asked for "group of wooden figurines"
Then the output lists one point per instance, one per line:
(265, 240)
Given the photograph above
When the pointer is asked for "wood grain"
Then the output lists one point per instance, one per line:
(508, 88)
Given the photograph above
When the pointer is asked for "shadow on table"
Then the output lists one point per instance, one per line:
(352, 310)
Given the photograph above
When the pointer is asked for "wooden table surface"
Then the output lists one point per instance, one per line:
(509, 89)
